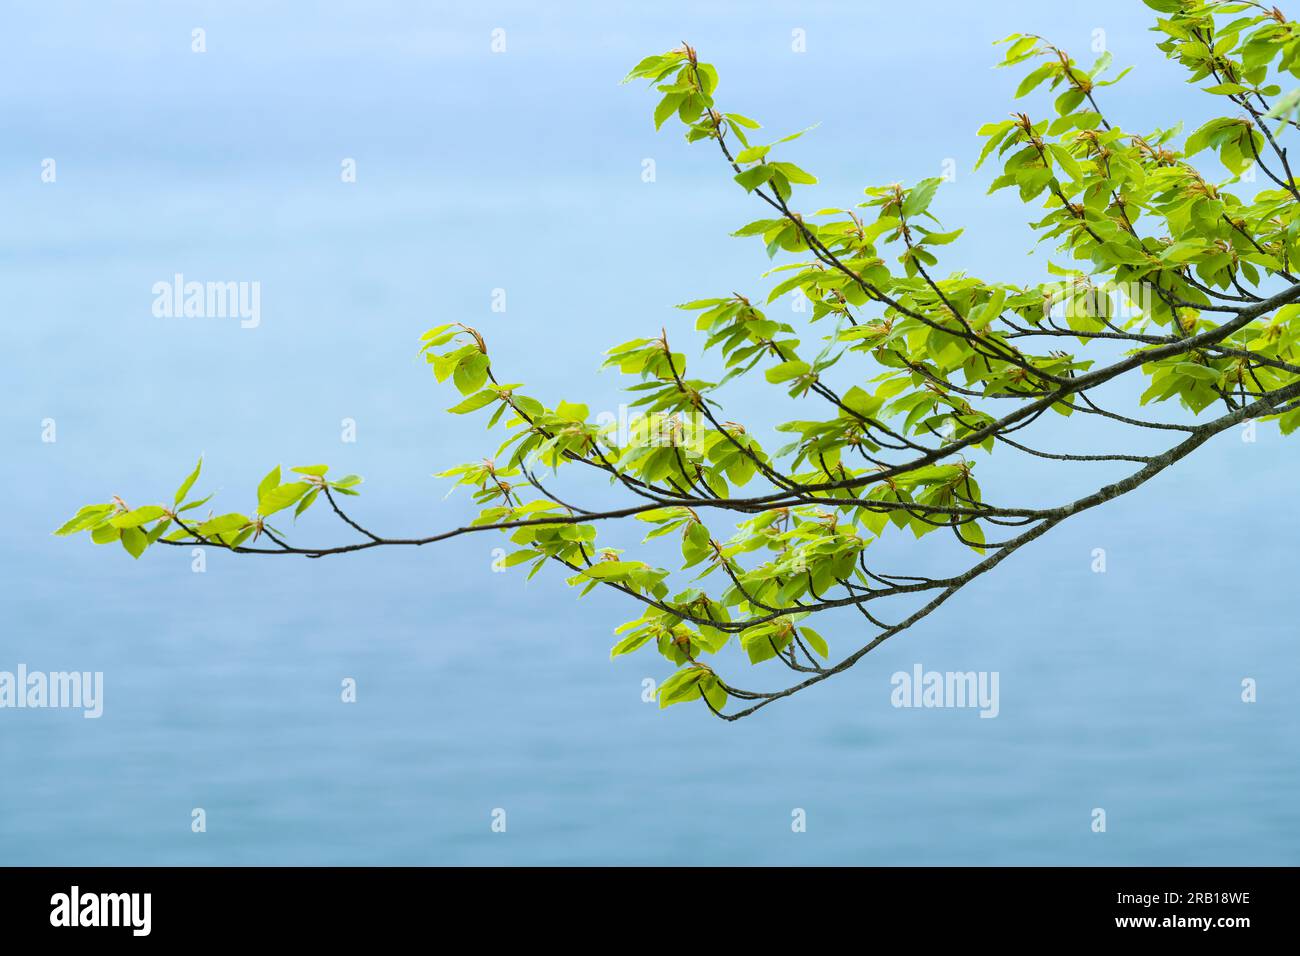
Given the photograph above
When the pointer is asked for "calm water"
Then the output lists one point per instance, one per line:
(475, 692)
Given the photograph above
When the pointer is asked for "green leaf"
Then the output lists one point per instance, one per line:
(306, 501)
(222, 524)
(667, 107)
(794, 174)
(605, 570)
(681, 686)
(1067, 162)
(476, 401)
(188, 483)
(754, 177)
(940, 238)
(134, 541)
(471, 373)
(138, 516)
(270, 481)
(752, 154)
(631, 643)
(815, 641)
(786, 371)
(86, 517)
(918, 197)
(1030, 82)
(105, 533)
(280, 497)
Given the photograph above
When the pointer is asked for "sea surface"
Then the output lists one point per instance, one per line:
(476, 692)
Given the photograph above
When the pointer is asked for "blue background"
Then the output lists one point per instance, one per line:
(522, 171)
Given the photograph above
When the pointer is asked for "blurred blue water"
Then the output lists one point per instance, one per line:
(522, 171)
